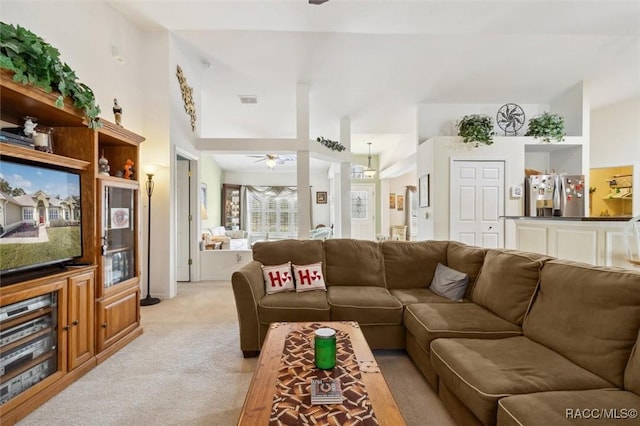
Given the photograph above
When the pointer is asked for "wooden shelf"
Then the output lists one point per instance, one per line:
(43, 157)
(20, 100)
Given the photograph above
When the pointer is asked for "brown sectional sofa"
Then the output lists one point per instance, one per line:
(533, 338)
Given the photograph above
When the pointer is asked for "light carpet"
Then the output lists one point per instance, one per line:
(187, 369)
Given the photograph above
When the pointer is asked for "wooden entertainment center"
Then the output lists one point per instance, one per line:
(71, 319)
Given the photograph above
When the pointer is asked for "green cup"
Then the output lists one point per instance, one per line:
(325, 348)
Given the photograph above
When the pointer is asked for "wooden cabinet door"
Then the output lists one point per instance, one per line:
(80, 319)
(118, 315)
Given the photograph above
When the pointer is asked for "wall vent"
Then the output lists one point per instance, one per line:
(248, 99)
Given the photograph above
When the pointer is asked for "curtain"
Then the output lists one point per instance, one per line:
(268, 193)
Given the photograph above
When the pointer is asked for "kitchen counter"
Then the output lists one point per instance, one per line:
(573, 218)
(593, 239)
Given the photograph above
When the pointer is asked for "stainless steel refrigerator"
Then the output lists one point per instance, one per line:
(541, 198)
(554, 195)
(572, 194)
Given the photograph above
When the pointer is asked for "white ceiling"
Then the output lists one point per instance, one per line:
(375, 61)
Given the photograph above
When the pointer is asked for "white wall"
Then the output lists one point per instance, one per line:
(615, 134)
(569, 105)
(396, 186)
(84, 33)
(212, 175)
(440, 119)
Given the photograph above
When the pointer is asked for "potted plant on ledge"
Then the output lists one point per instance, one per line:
(476, 128)
(547, 126)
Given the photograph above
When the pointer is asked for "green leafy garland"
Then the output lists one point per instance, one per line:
(476, 128)
(547, 126)
(332, 145)
(36, 62)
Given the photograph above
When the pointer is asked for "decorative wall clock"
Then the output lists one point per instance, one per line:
(510, 118)
(187, 97)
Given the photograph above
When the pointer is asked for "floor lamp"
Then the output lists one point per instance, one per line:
(149, 300)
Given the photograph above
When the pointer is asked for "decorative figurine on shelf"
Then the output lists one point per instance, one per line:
(103, 166)
(128, 169)
(29, 126)
(117, 112)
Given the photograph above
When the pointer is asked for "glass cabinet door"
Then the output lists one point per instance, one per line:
(231, 207)
(118, 230)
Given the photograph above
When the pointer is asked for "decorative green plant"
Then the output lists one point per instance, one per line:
(476, 128)
(34, 61)
(547, 126)
(332, 145)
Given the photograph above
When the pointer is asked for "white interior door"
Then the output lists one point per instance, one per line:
(477, 202)
(183, 215)
(363, 219)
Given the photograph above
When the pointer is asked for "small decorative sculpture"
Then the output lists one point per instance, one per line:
(117, 112)
(29, 126)
(103, 166)
(128, 169)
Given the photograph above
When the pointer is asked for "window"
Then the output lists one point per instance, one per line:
(273, 210)
(53, 214)
(27, 214)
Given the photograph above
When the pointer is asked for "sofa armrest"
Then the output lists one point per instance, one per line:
(248, 288)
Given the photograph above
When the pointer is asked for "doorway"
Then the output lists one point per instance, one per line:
(477, 203)
(363, 219)
(183, 219)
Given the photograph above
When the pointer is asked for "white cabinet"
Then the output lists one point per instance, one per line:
(595, 242)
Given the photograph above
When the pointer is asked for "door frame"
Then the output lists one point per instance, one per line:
(505, 193)
(194, 193)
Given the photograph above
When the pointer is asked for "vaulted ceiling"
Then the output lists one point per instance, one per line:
(376, 61)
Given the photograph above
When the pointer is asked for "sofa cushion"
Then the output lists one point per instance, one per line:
(449, 283)
(465, 320)
(480, 372)
(588, 314)
(367, 305)
(292, 306)
(278, 278)
(412, 264)
(300, 252)
(353, 262)
(466, 259)
(507, 282)
(632, 372)
(309, 277)
(408, 296)
(569, 408)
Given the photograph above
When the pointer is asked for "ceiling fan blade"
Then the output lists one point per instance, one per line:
(262, 159)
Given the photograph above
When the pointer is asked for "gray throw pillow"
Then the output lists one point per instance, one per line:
(449, 283)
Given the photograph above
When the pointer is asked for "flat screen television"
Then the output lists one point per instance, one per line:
(40, 216)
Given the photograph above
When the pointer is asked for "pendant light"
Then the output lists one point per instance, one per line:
(369, 172)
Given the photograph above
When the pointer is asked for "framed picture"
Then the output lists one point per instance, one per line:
(321, 197)
(400, 202)
(392, 200)
(424, 191)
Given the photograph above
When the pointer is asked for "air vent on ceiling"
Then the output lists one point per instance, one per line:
(248, 99)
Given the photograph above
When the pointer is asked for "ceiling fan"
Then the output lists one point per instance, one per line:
(317, 1)
(273, 159)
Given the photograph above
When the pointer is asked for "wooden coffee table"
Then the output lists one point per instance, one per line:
(258, 403)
